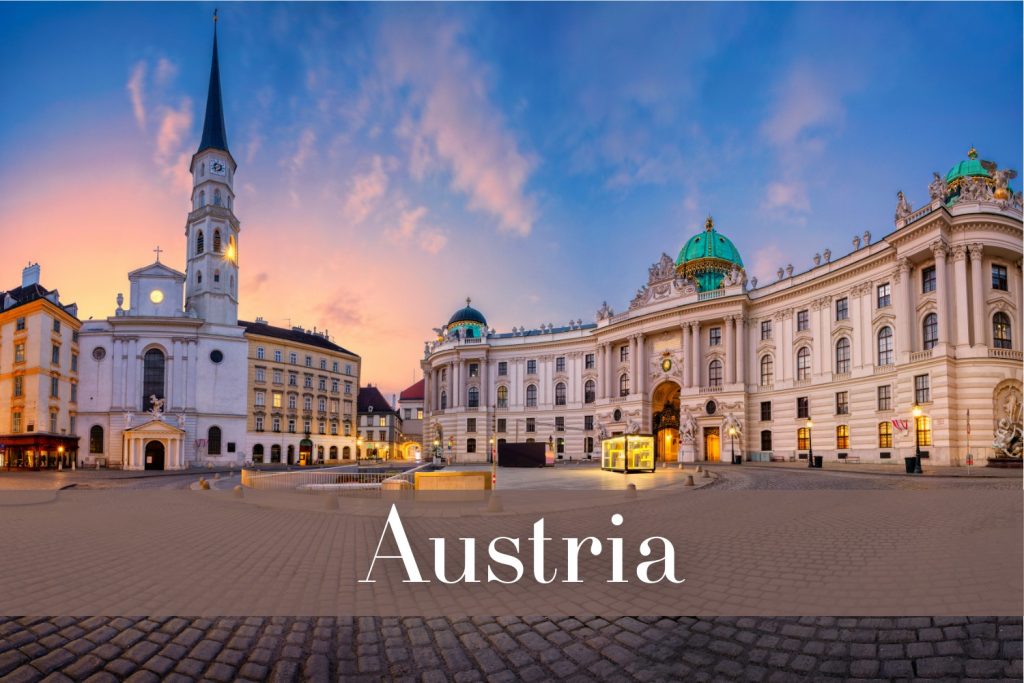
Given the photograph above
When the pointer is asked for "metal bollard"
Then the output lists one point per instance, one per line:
(630, 490)
(689, 480)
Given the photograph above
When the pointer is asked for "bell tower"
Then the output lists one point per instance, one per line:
(211, 285)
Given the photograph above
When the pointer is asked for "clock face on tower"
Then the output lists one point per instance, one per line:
(217, 167)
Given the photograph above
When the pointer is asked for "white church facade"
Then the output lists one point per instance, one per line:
(163, 381)
(912, 341)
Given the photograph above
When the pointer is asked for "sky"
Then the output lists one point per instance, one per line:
(395, 158)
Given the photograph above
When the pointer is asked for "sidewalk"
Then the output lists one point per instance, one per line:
(893, 470)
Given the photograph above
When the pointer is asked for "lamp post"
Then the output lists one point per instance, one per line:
(810, 445)
(732, 443)
(359, 447)
(916, 411)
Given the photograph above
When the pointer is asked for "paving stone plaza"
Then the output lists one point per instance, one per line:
(582, 648)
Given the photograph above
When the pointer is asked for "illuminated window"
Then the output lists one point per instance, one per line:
(885, 435)
(1001, 338)
(803, 439)
(842, 436)
(924, 430)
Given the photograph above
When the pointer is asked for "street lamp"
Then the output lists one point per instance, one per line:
(491, 442)
(359, 447)
(916, 411)
(810, 445)
(732, 443)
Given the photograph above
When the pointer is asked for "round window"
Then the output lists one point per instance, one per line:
(617, 415)
(99, 353)
(216, 356)
(711, 407)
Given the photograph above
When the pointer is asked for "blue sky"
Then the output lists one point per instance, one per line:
(395, 158)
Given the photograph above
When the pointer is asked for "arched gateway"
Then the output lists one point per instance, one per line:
(665, 421)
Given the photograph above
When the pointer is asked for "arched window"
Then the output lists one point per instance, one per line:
(803, 363)
(275, 453)
(216, 241)
(213, 441)
(767, 370)
(930, 331)
(334, 452)
(589, 391)
(152, 376)
(202, 198)
(444, 400)
(842, 436)
(346, 452)
(624, 385)
(885, 346)
(885, 435)
(766, 440)
(216, 197)
(1001, 337)
(843, 356)
(503, 397)
(531, 396)
(96, 439)
(715, 373)
(200, 243)
(474, 397)
(560, 394)
(257, 453)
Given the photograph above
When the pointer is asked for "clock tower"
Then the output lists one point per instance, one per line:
(211, 284)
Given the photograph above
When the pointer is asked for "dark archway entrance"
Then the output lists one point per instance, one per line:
(154, 455)
(665, 421)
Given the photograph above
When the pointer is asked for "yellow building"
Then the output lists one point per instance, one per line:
(38, 376)
(302, 396)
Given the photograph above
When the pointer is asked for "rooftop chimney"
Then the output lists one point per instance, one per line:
(30, 275)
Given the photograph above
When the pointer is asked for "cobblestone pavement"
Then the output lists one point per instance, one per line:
(740, 477)
(508, 649)
(585, 648)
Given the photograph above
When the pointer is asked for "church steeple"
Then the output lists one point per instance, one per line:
(214, 134)
(212, 230)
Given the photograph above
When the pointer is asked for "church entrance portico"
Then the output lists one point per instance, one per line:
(153, 445)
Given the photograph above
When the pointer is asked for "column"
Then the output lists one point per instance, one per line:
(857, 340)
(904, 311)
(134, 392)
(116, 376)
(741, 351)
(960, 289)
(696, 350)
(781, 350)
(171, 365)
(687, 379)
(825, 335)
(641, 363)
(977, 294)
(816, 340)
(730, 366)
(942, 289)
(599, 362)
(485, 384)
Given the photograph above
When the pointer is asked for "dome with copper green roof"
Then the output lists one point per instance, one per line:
(469, 320)
(969, 167)
(708, 257)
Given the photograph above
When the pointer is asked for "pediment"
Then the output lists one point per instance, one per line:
(157, 270)
(154, 426)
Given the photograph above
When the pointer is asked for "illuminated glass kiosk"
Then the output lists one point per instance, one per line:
(628, 453)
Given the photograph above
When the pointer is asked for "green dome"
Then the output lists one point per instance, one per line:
(707, 257)
(969, 167)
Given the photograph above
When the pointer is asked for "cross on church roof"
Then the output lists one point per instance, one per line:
(158, 250)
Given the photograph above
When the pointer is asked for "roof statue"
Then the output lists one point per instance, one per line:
(1001, 178)
(937, 188)
(903, 208)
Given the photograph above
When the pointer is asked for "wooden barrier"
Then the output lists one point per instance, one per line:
(453, 481)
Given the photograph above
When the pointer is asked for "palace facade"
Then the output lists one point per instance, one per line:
(909, 341)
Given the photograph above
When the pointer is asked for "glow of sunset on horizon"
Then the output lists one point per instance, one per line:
(395, 159)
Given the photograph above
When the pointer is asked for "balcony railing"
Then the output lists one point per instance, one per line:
(711, 390)
(1009, 354)
(884, 369)
(713, 294)
(920, 355)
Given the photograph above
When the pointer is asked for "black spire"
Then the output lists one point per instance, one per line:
(214, 135)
